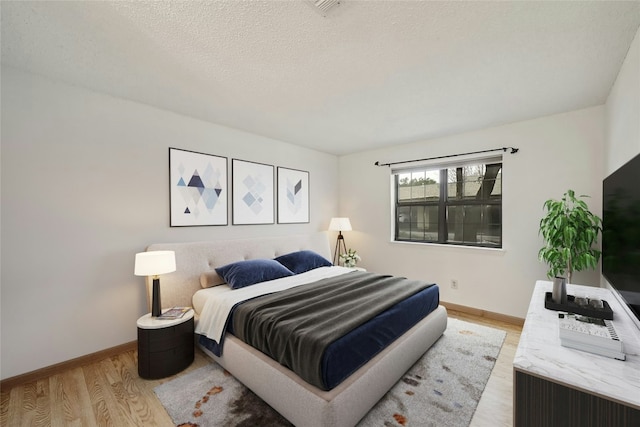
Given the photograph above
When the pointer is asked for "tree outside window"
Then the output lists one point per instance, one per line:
(460, 205)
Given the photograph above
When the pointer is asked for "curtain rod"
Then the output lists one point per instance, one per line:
(504, 149)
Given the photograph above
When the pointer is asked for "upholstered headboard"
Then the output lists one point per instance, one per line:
(195, 258)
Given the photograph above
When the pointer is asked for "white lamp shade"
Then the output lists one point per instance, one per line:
(340, 224)
(154, 263)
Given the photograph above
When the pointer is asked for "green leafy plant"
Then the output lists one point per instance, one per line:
(569, 230)
(350, 259)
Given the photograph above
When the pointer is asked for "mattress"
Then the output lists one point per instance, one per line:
(348, 353)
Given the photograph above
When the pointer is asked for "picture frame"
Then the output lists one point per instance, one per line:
(198, 189)
(252, 192)
(293, 196)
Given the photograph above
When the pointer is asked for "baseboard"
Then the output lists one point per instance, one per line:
(58, 368)
(483, 313)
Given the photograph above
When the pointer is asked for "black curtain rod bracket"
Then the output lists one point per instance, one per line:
(504, 149)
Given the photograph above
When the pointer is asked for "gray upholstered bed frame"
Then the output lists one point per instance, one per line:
(299, 402)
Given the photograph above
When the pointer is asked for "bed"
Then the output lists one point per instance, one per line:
(295, 398)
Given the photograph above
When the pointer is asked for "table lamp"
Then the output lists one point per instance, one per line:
(339, 225)
(153, 264)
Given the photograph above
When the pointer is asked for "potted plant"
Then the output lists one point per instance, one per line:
(350, 259)
(569, 230)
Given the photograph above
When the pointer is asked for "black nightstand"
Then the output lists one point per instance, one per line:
(165, 347)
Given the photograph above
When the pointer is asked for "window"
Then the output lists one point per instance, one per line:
(458, 205)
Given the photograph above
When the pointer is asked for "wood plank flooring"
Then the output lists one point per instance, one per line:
(110, 393)
(495, 408)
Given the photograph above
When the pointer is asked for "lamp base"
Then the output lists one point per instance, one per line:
(340, 245)
(156, 305)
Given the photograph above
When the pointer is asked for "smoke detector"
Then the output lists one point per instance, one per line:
(323, 7)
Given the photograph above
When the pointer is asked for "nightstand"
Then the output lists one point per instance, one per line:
(165, 347)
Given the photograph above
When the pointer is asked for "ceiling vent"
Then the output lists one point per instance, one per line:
(323, 7)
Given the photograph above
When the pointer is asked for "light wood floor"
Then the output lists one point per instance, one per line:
(495, 408)
(110, 393)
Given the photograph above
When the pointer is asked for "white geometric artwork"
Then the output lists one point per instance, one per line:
(293, 196)
(252, 185)
(198, 188)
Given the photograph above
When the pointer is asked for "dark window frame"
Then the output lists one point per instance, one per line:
(444, 203)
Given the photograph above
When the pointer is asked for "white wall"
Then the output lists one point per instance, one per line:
(556, 153)
(85, 187)
(622, 141)
(622, 137)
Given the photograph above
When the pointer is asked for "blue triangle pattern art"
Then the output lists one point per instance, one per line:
(195, 181)
(253, 197)
(200, 193)
(210, 197)
(294, 196)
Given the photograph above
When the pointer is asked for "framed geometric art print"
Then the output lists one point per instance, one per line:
(197, 188)
(252, 192)
(293, 196)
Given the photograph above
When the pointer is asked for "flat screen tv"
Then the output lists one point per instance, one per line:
(621, 233)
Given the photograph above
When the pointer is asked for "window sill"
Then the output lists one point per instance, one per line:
(497, 251)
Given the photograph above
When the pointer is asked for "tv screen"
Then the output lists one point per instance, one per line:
(621, 232)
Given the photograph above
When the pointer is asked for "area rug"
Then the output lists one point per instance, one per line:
(442, 389)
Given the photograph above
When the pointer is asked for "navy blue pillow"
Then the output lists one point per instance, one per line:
(244, 273)
(302, 261)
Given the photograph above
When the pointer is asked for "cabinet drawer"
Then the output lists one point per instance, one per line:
(164, 363)
(165, 351)
(155, 340)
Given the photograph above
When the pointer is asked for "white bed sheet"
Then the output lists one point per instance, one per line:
(214, 304)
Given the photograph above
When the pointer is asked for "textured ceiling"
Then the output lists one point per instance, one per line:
(369, 74)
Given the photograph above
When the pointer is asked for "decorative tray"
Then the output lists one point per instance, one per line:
(571, 307)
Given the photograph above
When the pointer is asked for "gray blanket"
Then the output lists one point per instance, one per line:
(295, 326)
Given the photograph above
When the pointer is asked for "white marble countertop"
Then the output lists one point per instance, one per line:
(540, 353)
(149, 322)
